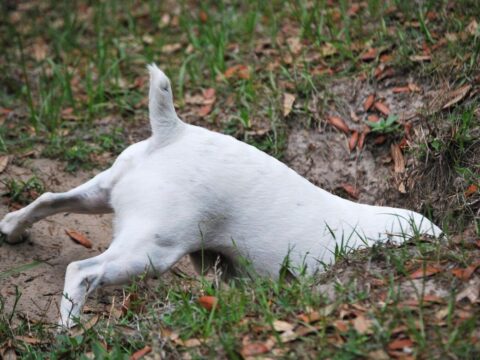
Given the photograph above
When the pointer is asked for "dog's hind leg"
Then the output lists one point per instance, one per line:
(115, 266)
(90, 197)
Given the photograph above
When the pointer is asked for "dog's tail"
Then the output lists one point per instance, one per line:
(163, 118)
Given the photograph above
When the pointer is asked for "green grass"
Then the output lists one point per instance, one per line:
(73, 86)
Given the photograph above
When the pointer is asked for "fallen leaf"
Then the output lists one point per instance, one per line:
(369, 102)
(209, 93)
(310, 317)
(40, 49)
(338, 123)
(208, 302)
(341, 325)
(370, 54)
(472, 27)
(427, 299)
(456, 95)
(398, 159)
(141, 353)
(401, 89)
(363, 325)
(472, 189)
(328, 50)
(466, 274)
(382, 108)
(288, 100)
(378, 355)
(354, 116)
(420, 58)
(424, 272)
(171, 48)
(352, 143)
(204, 110)
(79, 238)
(351, 190)
(240, 71)
(414, 88)
(294, 45)
(361, 140)
(253, 349)
(189, 343)
(373, 118)
(28, 339)
(400, 344)
(281, 326)
(4, 162)
(202, 15)
(147, 39)
(8, 354)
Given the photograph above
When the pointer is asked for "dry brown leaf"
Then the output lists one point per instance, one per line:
(371, 54)
(4, 162)
(351, 190)
(361, 140)
(209, 94)
(240, 71)
(171, 48)
(398, 159)
(40, 49)
(401, 89)
(380, 139)
(204, 110)
(341, 325)
(420, 58)
(472, 27)
(208, 302)
(424, 272)
(369, 102)
(189, 343)
(282, 326)
(414, 88)
(203, 16)
(79, 238)
(363, 325)
(472, 189)
(256, 348)
(328, 50)
(338, 123)
(373, 118)
(28, 339)
(288, 100)
(310, 317)
(295, 45)
(378, 355)
(456, 95)
(141, 353)
(8, 354)
(382, 108)
(400, 344)
(352, 142)
(466, 274)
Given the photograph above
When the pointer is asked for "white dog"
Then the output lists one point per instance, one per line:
(188, 190)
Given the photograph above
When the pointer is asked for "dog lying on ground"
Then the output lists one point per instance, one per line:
(188, 190)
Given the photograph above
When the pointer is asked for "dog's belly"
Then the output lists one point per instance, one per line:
(223, 194)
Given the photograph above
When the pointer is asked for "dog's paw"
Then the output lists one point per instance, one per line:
(12, 230)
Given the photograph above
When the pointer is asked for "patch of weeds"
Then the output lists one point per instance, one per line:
(385, 126)
(23, 192)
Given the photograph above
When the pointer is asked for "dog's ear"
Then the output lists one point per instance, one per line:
(163, 117)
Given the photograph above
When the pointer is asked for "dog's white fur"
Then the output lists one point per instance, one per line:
(188, 190)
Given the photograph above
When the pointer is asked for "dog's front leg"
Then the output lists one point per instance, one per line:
(115, 266)
(90, 197)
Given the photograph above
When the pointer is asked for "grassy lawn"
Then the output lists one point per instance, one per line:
(73, 87)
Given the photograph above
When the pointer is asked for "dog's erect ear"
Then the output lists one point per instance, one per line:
(163, 117)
